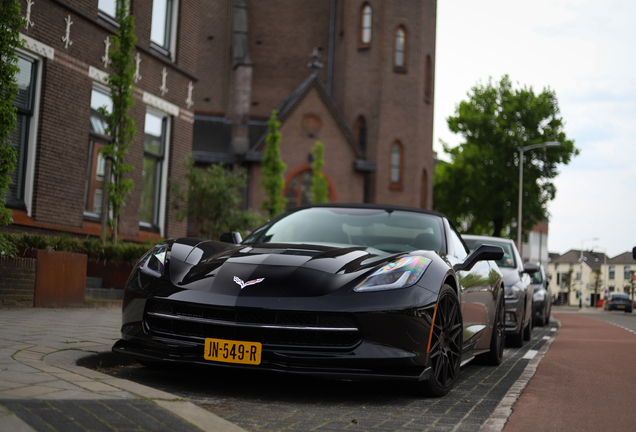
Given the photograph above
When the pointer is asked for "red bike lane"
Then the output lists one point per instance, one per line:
(585, 382)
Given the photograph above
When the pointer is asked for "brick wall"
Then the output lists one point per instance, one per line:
(61, 157)
(17, 281)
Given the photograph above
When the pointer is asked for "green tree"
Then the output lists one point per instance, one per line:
(319, 186)
(272, 179)
(597, 280)
(214, 199)
(121, 125)
(479, 188)
(10, 22)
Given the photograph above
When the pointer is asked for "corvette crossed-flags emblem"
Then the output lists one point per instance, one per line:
(242, 284)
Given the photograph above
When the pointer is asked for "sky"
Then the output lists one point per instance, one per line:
(584, 50)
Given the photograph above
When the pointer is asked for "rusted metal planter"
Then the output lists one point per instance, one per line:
(60, 279)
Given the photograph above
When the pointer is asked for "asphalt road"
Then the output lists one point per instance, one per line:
(272, 402)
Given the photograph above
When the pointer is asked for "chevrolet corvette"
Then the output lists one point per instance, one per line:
(342, 291)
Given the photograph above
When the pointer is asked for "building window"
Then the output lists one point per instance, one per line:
(100, 100)
(298, 187)
(626, 273)
(21, 135)
(163, 26)
(428, 80)
(366, 15)
(108, 7)
(361, 132)
(399, 59)
(396, 165)
(612, 271)
(152, 176)
(558, 280)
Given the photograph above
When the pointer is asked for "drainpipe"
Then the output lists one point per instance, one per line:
(332, 29)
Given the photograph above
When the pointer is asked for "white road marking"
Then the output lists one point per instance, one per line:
(530, 354)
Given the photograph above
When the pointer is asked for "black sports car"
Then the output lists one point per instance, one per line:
(338, 291)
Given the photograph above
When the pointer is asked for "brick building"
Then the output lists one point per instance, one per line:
(58, 178)
(369, 101)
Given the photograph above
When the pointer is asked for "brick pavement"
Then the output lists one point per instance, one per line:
(42, 388)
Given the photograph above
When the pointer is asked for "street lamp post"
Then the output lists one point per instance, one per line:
(581, 274)
(521, 150)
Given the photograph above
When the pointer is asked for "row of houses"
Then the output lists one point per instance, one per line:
(593, 273)
(357, 75)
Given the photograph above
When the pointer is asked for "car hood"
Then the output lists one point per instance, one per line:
(511, 275)
(273, 270)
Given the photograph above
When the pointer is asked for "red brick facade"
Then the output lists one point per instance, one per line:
(59, 150)
(397, 105)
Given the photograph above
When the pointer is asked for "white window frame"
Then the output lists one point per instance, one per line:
(33, 132)
(165, 164)
(173, 30)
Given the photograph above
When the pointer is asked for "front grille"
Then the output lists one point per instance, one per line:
(268, 327)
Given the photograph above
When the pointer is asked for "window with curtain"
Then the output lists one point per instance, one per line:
(399, 61)
(155, 127)
(24, 102)
(366, 15)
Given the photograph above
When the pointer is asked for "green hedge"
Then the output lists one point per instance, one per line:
(94, 248)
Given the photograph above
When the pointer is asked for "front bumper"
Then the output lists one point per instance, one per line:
(514, 315)
(380, 344)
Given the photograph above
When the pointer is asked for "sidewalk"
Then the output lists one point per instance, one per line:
(43, 389)
(584, 382)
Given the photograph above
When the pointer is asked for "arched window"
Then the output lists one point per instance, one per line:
(365, 25)
(396, 165)
(428, 78)
(298, 187)
(361, 132)
(399, 59)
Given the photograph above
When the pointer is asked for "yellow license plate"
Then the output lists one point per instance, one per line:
(621, 306)
(229, 351)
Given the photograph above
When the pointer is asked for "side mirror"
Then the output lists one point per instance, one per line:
(482, 253)
(634, 253)
(231, 237)
(531, 268)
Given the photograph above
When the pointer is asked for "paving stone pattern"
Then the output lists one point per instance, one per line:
(276, 402)
(98, 416)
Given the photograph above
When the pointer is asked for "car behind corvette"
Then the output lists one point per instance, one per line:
(339, 291)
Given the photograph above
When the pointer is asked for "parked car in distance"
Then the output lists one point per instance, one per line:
(619, 301)
(519, 289)
(541, 298)
(345, 291)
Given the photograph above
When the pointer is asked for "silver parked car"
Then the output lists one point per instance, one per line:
(518, 291)
(542, 298)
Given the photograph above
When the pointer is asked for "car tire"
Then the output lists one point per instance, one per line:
(516, 340)
(527, 332)
(495, 355)
(447, 339)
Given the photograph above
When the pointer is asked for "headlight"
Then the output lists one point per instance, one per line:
(539, 296)
(153, 263)
(401, 273)
(512, 292)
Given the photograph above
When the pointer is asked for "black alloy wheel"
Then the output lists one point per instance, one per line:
(516, 340)
(527, 332)
(495, 355)
(446, 345)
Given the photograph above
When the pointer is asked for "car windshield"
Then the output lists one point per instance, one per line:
(620, 296)
(387, 230)
(508, 259)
